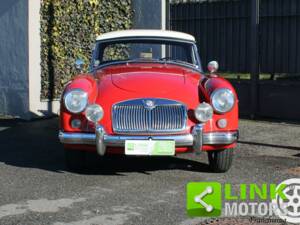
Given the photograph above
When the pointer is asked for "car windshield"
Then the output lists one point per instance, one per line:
(145, 51)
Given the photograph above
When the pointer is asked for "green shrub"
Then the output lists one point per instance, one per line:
(68, 31)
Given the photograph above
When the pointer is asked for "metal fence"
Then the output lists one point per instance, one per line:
(256, 37)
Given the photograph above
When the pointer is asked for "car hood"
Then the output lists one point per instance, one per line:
(123, 82)
(141, 81)
(145, 78)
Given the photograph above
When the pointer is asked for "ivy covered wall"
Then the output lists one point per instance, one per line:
(68, 31)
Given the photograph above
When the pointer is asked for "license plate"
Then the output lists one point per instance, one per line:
(149, 147)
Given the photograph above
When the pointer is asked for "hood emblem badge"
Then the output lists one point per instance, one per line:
(149, 104)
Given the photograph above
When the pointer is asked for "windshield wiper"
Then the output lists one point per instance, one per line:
(179, 61)
(142, 60)
(136, 60)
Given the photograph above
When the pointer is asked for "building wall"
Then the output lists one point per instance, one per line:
(149, 14)
(20, 71)
(37, 107)
(14, 96)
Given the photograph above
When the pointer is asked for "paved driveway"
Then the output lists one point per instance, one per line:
(35, 187)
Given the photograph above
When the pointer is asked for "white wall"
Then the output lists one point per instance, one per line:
(36, 106)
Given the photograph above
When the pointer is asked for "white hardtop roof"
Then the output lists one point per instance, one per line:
(146, 33)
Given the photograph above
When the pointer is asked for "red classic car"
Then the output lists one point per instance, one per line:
(146, 94)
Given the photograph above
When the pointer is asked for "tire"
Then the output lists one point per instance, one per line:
(220, 161)
(75, 160)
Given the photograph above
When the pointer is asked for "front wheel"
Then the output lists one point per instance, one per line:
(75, 160)
(220, 161)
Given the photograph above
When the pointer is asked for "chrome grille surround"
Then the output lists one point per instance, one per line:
(149, 115)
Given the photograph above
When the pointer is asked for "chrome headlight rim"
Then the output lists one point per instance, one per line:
(208, 109)
(213, 95)
(90, 107)
(84, 105)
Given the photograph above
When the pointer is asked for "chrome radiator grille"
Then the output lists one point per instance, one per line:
(149, 116)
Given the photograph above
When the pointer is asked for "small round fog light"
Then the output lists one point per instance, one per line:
(222, 123)
(204, 112)
(76, 123)
(94, 113)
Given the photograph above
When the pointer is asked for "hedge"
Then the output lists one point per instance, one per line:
(68, 31)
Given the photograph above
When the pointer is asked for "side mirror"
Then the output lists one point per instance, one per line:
(79, 63)
(213, 66)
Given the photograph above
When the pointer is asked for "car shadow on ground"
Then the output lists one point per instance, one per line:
(120, 164)
(35, 145)
(270, 145)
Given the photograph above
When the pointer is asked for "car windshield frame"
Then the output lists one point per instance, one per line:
(148, 40)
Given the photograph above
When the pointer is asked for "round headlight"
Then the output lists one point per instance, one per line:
(203, 112)
(94, 113)
(222, 100)
(76, 100)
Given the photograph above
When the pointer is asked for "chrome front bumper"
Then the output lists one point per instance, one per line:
(196, 139)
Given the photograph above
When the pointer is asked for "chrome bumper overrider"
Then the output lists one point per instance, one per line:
(196, 139)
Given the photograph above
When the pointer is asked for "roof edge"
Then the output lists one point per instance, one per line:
(146, 33)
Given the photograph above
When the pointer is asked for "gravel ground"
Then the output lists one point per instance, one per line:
(36, 188)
